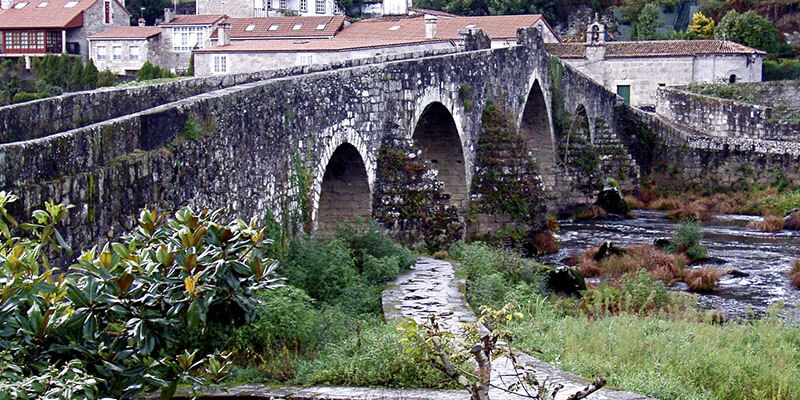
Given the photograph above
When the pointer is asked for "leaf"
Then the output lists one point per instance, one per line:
(189, 263)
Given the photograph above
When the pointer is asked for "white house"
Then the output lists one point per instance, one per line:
(184, 33)
(124, 50)
(636, 69)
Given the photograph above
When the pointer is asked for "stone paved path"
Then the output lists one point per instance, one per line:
(432, 287)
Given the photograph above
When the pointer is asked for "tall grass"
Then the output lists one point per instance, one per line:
(668, 358)
(756, 201)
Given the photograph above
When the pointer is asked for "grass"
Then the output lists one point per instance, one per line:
(704, 279)
(147, 82)
(770, 223)
(757, 201)
(664, 267)
(668, 358)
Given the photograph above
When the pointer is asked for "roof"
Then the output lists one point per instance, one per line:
(431, 12)
(282, 27)
(413, 27)
(654, 48)
(284, 45)
(192, 19)
(128, 32)
(45, 14)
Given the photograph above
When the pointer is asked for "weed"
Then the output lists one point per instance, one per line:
(770, 223)
(466, 96)
(704, 279)
(794, 273)
(191, 130)
(289, 113)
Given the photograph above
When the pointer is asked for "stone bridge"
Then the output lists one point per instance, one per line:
(310, 140)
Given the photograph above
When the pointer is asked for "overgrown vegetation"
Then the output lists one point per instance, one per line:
(644, 338)
(150, 72)
(755, 201)
(50, 75)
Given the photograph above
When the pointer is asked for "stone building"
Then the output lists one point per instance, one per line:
(272, 28)
(369, 38)
(183, 33)
(268, 8)
(124, 50)
(33, 28)
(636, 69)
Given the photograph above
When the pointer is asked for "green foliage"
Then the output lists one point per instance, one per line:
(638, 293)
(190, 69)
(774, 70)
(322, 268)
(465, 92)
(749, 29)
(686, 239)
(191, 130)
(744, 92)
(370, 239)
(106, 78)
(130, 312)
(371, 357)
(150, 72)
(89, 76)
(68, 382)
(631, 9)
(153, 9)
(644, 28)
(702, 27)
(22, 97)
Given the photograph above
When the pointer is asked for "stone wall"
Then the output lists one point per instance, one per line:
(680, 160)
(718, 117)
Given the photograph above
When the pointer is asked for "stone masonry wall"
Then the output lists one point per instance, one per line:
(718, 117)
(680, 160)
(241, 155)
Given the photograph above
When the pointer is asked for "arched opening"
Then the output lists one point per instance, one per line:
(345, 193)
(437, 135)
(535, 125)
(732, 78)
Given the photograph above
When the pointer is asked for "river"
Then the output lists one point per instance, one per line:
(765, 257)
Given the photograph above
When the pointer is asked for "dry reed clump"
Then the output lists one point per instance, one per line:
(704, 279)
(792, 221)
(697, 210)
(770, 223)
(634, 202)
(647, 195)
(545, 242)
(667, 268)
(591, 212)
(665, 203)
(794, 274)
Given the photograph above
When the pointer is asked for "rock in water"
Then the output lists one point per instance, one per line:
(792, 220)
(612, 201)
(608, 249)
(566, 280)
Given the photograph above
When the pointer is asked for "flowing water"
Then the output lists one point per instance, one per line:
(765, 257)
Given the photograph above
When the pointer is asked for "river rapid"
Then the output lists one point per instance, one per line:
(765, 257)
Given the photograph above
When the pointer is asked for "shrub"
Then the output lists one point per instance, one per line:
(150, 71)
(794, 274)
(781, 69)
(22, 97)
(106, 78)
(130, 312)
(380, 270)
(770, 223)
(322, 269)
(638, 292)
(489, 290)
(370, 238)
(704, 279)
(687, 235)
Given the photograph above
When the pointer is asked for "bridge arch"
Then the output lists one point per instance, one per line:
(439, 136)
(535, 125)
(344, 190)
(582, 121)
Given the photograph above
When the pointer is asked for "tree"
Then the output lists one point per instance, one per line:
(153, 9)
(701, 27)
(89, 77)
(749, 29)
(631, 10)
(75, 80)
(645, 26)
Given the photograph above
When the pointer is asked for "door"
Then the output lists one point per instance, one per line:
(625, 92)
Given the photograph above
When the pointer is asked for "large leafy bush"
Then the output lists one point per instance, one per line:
(124, 318)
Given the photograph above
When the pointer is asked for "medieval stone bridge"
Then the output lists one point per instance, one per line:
(306, 139)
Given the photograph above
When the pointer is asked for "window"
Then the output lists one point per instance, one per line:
(220, 64)
(20, 6)
(297, 27)
(470, 26)
(303, 5)
(283, 4)
(322, 26)
(133, 53)
(24, 41)
(107, 12)
(320, 6)
(42, 4)
(250, 28)
(274, 27)
(732, 78)
(101, 52)
(662, 84)
(258, 4)
(185, 38)
(117, 52)
(71, 4)
(394, 27)
(305, 59)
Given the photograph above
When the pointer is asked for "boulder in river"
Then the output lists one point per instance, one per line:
(566, 280)
(792, 220)
(608, 249)
(610, 198)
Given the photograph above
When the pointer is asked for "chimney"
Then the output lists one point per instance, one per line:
(141, 22)
(430, 26)
(224, 34)
(169, 14)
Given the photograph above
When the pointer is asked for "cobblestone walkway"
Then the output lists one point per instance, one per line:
(431, 287)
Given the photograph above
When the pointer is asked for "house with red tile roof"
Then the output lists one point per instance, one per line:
(124, 50)
(183, 33)
(368, 38)
(37, 27)
(270, 28)
(270, 8)
(636, 69)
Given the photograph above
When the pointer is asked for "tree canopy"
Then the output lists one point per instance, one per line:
(749, 29)
(702, 27)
